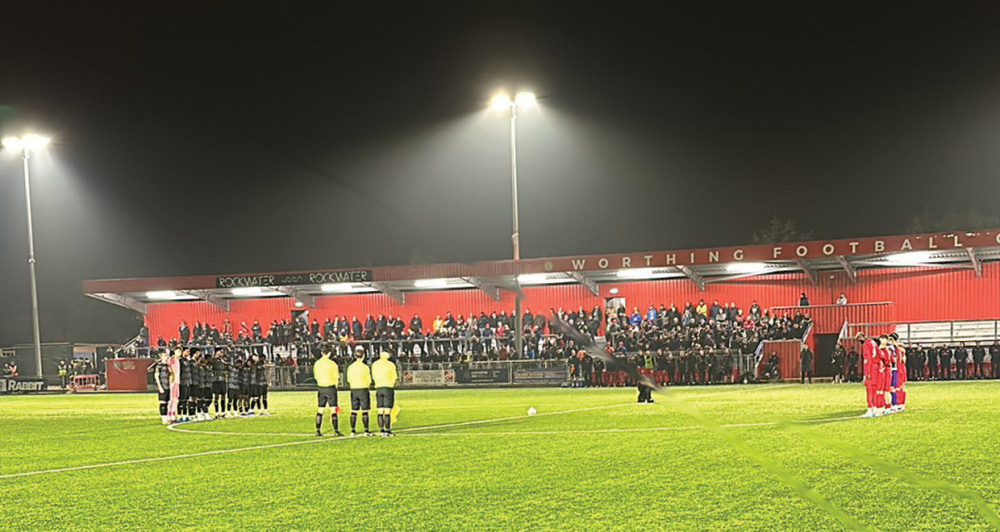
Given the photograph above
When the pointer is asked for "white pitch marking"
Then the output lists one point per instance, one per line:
(410, 429)
(647, 429)
(165, 458)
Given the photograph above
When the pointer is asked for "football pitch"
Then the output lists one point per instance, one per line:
(773, 457)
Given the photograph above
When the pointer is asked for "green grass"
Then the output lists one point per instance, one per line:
(611, 464)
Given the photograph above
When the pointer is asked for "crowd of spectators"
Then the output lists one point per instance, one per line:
(697, 344)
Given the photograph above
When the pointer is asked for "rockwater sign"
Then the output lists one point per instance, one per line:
(292, 279)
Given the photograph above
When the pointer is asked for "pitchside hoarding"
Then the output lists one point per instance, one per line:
(22, 385)
(541, 376)
(482, 376)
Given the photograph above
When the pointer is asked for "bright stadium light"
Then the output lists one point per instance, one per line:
(532, 278)
(161, 294)
(524, 100)
(337, 287)
(248, 291)
(746, 267)
(25, 145)
(637, 273)
(910, 257)
(430, 283)
(500, 102)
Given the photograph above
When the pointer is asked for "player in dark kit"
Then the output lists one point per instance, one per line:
(233, 388)
(194, 392)
(161, 371)
(262, 384)
(206, 388)
(185, 387)
(253, 391)
(219, 371)
(245, 372)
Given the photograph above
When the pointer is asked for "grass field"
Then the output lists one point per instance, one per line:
(734, 458)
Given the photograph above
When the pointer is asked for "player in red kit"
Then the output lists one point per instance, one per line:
(868, 352)
(883, 392)
(900, 373)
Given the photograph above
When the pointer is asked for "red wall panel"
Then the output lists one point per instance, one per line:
(919, 294)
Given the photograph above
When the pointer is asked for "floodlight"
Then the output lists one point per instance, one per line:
(500, 102)
(525, 100)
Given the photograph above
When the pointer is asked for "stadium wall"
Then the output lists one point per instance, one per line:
(919, 294)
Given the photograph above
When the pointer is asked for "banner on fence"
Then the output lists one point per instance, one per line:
(22, 385)
(429, 377)
(481, 376)
(540, 376)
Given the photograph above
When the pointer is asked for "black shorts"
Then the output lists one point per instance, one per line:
(385, 397)
(185, 392)
(361, 400)
(164, 396)
(326, 396)
(263, 390)
(244, 389)
(234, 393)
(219, 388)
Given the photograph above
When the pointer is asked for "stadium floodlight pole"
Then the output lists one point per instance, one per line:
(24, 145)
(503, 102)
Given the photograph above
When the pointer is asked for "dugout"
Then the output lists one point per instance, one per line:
(892, 279)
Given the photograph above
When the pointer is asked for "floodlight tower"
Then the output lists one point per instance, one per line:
(25, 145)
(503, 102)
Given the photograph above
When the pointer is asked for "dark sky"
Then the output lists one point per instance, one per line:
(210, 137)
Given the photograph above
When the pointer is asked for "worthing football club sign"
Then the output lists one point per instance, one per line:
(767, 252)
(292, 279)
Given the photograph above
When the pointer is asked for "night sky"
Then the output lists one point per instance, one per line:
(212, 137)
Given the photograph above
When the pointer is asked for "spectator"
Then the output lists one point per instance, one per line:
(803, 300)
(806, 361)
(842, 300)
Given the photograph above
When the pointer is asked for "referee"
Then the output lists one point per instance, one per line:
(359, 378)
(384, 375)
(327, 377)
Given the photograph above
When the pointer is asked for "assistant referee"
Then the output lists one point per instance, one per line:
(359, 378)
(327, 376)
(385, 376)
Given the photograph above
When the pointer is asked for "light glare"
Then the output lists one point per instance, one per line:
(161, 294)
(525, 100)
(337, 287)
(431, 283)
(909, 257)
(746, 267)
(13, 143)
(532, 278)
(247, 291)
(500, 102)
(637, 273)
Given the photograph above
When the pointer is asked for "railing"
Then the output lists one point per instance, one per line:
(933, 332)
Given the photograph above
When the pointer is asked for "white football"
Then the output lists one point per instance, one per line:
(532, 411)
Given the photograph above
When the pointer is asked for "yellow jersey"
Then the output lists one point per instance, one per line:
(326, 372)
(359, 377)
(384, 372)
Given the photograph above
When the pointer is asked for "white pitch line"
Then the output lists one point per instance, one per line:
(175, 428)
(646, 429)
(164, 458)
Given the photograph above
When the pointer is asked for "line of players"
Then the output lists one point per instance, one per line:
(188, 384)
(884, 366)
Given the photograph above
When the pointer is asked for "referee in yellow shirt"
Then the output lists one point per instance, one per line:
(385, 377)
(327, 377)
(359, 378)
